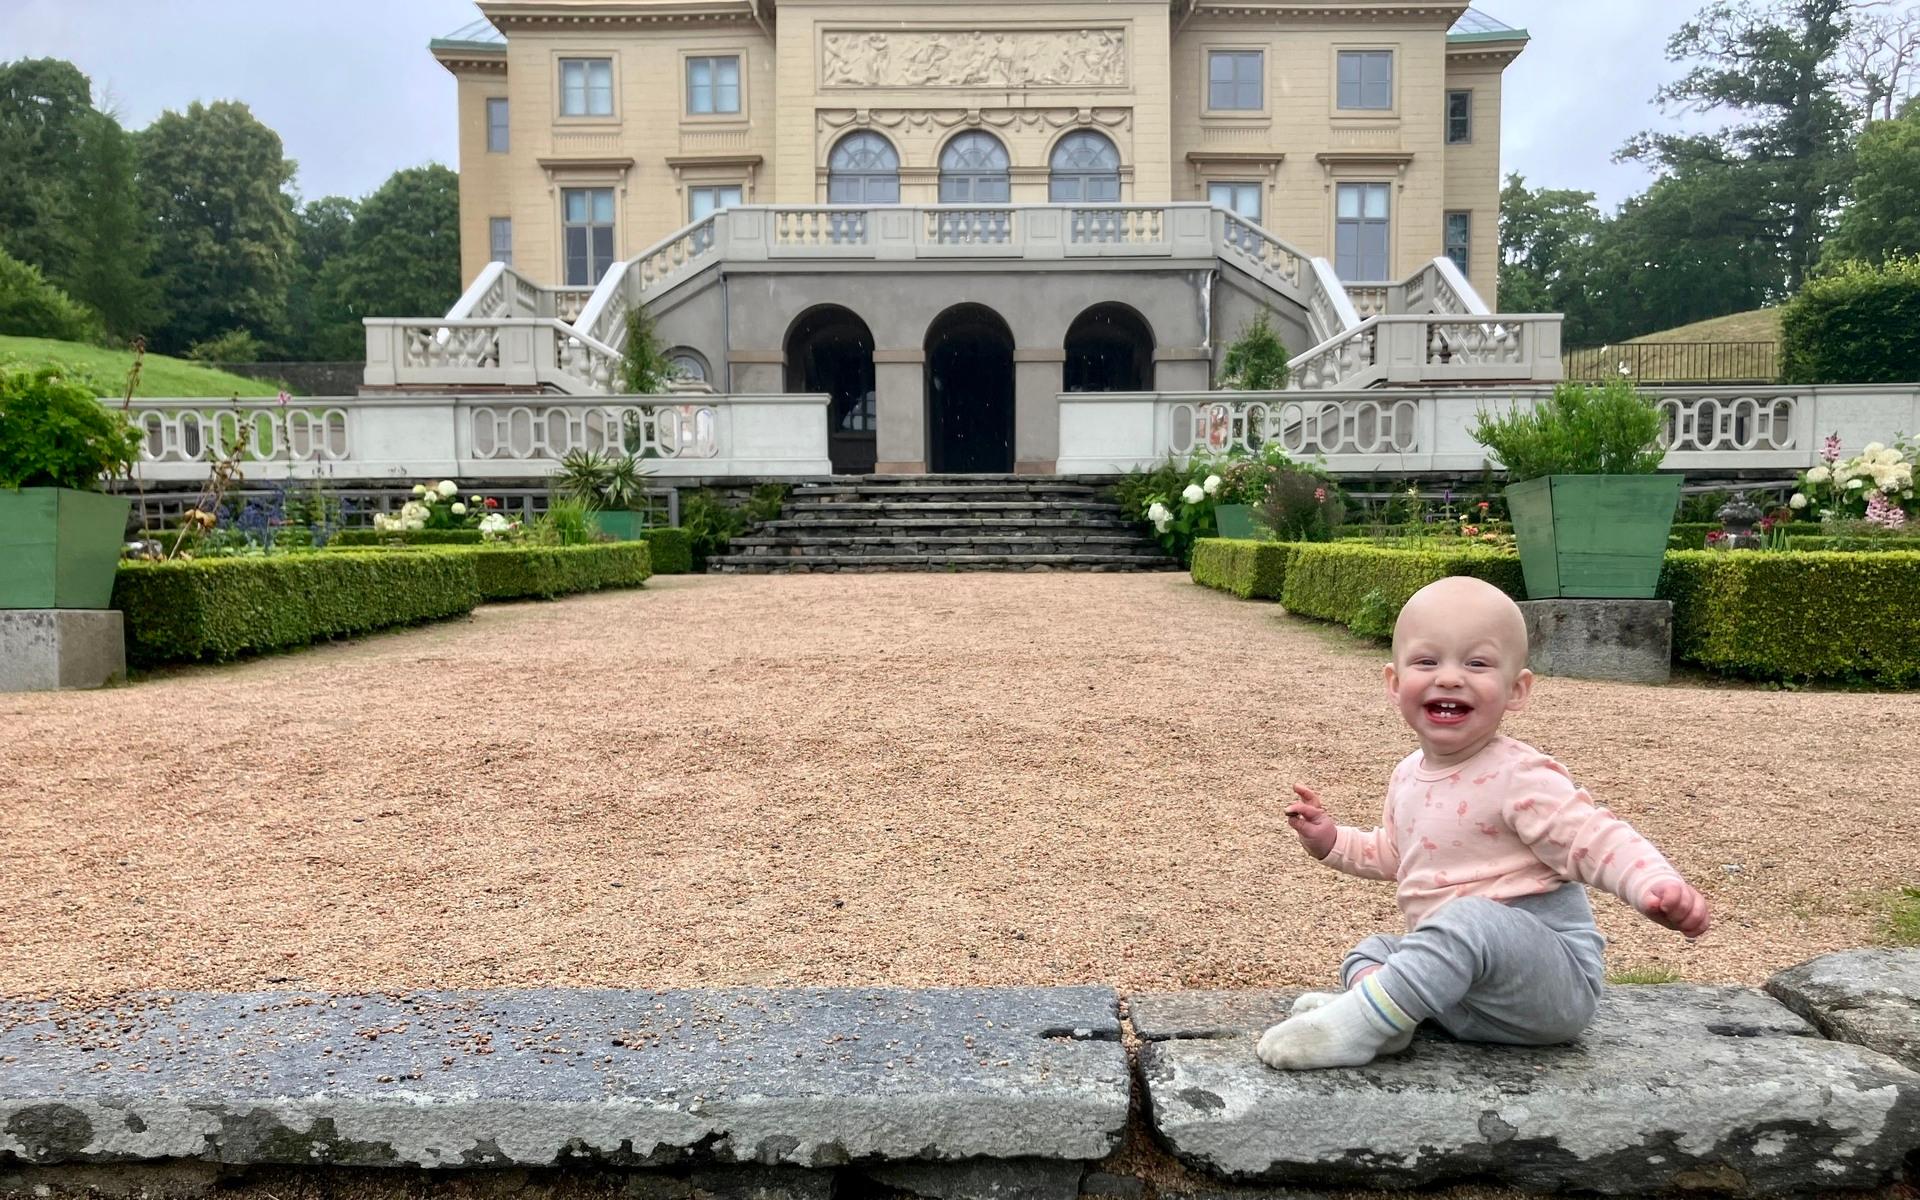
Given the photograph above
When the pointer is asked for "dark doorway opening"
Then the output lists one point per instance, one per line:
(830, 350)
(1109, 349)
(969, 392)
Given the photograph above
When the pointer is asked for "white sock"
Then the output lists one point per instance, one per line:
(1306, 1002)
(1350, 1030)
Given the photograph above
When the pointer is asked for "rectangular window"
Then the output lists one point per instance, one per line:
(713, 85)
(588, 229)
(1234, 78)
(1241, 198)
(586, 87)
(1460, 239)
(496, 125)
(703, 202)
(1366, 79)
(500, 239)
(1459, 118)
(1360, 238)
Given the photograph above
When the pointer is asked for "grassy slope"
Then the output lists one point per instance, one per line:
(105, 371)
(1757, 325)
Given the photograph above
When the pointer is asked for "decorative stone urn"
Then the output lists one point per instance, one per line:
(1737, 519)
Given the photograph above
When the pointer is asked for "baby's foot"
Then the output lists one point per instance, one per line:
(1346, 1031)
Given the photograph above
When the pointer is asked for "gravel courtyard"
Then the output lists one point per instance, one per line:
(908, 779)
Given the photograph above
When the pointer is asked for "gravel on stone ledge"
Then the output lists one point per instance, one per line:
(903, 779)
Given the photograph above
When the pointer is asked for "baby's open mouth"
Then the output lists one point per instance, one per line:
(1448, 712)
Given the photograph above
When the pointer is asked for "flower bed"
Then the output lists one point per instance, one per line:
(1798, 616)
(406, 537)
(1251, 570)
(215, 609)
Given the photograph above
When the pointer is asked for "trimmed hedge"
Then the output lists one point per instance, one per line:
(1430, 529)
(415, 537)
(1798, 616)
(1859, 323)
(1852, 545)
(221, 608)
(1364, 587)
(1251, 570)
(672, 550)
(523, 572)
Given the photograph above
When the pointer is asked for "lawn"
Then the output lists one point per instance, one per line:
(1756, 325)
(105, 371)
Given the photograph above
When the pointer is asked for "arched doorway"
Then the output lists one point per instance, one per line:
(969, 392)
(1109, 349)
(830, 350)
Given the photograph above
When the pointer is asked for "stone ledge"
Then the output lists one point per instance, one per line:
(808, 1077)
(1672, 1088)
(1869, 997)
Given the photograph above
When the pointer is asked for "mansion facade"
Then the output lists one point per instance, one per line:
(1365, 131)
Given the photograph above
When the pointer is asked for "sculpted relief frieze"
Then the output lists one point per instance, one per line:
(972, 58)
(832, 120)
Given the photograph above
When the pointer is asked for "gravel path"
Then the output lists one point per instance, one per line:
(907, 779)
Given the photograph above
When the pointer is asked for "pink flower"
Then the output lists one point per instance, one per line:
(1320, 495)
(1884, 512)
(1831, 452)
(1484, 506)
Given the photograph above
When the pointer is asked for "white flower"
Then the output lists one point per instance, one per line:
(473, 500)
(1854, 483)
(1158, 512)
(1818, 475)
(1193, 494)
(380, 522)
(448, 488)
(1798, 501)
(1160, 526)
(1625, 369)
(411, 525)
(459, 509)
(492, 524)
(1212, 485)
(1871, 449)
(419, 489)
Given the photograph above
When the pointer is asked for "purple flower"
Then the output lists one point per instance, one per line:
(1831, 453)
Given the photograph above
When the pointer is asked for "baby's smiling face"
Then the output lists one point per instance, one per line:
(1459, 666)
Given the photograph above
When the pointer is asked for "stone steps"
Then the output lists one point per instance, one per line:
(946, 523)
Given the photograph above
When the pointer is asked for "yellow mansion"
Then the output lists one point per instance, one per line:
(1365, 131)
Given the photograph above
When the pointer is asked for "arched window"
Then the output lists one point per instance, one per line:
(863, 169)
(688, 362)
(1085, 167)
(973, 170)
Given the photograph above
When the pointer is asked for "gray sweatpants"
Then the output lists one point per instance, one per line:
(1526, 972)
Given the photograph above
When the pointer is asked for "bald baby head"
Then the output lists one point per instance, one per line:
(1462, 609)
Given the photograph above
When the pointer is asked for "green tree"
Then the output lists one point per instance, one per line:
(1544, 235)
(44, 105)
(401, 258)
(212, 179)
(1776, 66)
(1882, 217)
(111, 266)
(314, 317)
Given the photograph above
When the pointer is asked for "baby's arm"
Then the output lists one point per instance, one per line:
(1368, 853)
(1565, 829)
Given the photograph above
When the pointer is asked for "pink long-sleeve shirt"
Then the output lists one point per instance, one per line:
(1506, 823)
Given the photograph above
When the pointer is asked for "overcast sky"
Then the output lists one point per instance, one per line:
(350, 87)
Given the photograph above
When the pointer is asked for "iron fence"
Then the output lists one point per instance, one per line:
(1677, 362)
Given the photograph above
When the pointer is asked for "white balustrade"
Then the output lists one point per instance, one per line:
(480, 438)
(1415, 431)
(1369, 299)
(970, 227)
(1117, 226)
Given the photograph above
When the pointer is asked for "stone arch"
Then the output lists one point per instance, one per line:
(863, 168)
(829, 348)
(975, 168)
(1083, 167)
(969, 388)
(1109, 348)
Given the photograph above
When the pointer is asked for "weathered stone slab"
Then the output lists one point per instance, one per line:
(1871, 997)
(1630, 641)
(1672, 1087)
(46, 649)
(807, 1077)
(982, 1179)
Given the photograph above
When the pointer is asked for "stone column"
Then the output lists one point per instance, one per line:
(1181, 369)
(900, 412)
(1038, 376)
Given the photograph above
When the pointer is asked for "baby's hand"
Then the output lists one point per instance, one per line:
(1678, 906)
(1315, 828)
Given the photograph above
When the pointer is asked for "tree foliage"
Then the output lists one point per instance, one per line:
(212, 180)
(1882, 217)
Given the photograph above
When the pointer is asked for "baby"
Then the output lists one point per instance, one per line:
(1483, 834)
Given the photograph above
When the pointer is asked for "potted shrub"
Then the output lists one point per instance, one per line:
(1589, 511)
(611, 487)
(60, 535)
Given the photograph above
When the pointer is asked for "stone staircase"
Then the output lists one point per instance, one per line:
(946, 523)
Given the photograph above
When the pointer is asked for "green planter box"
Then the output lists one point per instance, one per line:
(621, 526)
(1598, 536)
(1235, 521)
(59, 548)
